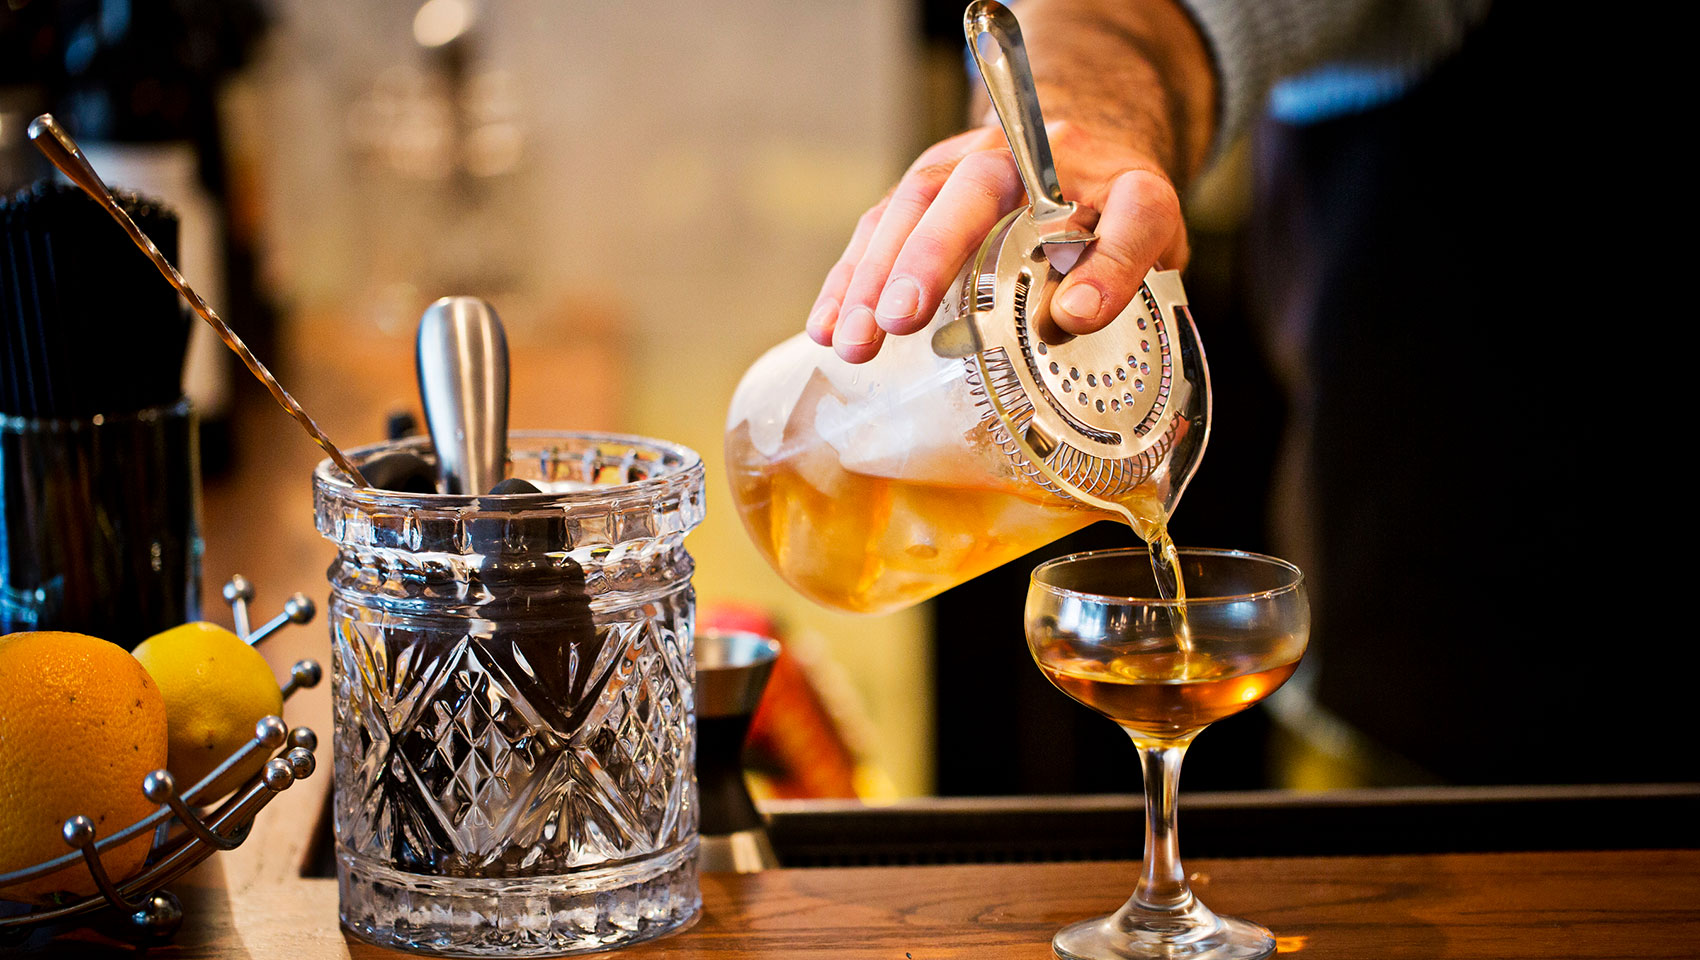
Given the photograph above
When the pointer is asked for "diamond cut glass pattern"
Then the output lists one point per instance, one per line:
(515, 732)
(464, 762)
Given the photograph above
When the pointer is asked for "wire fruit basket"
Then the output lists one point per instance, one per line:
(182, 837)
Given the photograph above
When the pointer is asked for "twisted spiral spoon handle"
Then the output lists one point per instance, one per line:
(52, 140)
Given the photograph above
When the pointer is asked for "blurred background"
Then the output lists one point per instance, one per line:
(650, 194)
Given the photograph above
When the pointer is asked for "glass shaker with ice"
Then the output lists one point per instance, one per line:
(989, 433)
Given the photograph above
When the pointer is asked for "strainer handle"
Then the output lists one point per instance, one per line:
(994, 37)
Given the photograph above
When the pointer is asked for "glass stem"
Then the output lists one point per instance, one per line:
(1162, 882)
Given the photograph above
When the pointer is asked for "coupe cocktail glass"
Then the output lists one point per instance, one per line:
(1164, 670)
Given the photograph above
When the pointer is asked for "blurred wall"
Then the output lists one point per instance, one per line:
(673, 179)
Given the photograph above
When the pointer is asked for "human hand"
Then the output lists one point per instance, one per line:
(908, 248)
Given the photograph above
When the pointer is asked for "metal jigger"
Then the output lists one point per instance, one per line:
(732, 672)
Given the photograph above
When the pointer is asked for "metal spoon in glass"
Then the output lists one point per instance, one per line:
(462, 355)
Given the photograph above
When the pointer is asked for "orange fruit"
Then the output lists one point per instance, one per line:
(81, 725)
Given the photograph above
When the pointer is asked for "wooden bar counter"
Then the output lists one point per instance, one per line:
(1502, 906)
(255, 903)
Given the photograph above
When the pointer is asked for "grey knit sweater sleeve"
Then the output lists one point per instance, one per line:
(1325, 56)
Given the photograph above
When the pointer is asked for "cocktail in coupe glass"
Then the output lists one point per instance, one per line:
(1164, 670)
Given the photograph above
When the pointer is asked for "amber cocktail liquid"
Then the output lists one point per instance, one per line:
(863, 547)
(889, 524)
(1169, 694)
(869, 536)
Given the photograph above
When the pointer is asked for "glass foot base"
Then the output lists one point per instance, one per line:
(548, 916)
(1193, 934)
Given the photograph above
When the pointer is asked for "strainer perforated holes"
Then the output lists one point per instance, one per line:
(1096, 434)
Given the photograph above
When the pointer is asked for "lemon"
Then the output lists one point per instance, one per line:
(216, 688)
(81, 725)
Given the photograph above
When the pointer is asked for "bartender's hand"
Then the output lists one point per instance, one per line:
(1117, 150)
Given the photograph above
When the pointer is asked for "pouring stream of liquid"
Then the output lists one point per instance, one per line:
(1149, 524)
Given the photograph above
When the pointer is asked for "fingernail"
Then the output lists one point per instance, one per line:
(856, 328)
(819, 316)
(899, 301)
(1080, 301)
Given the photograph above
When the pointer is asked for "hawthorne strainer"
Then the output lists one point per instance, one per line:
(1094, 417)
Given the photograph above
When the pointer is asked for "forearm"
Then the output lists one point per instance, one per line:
(1134, 71)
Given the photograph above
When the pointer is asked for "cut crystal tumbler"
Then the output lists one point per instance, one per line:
(515, 737)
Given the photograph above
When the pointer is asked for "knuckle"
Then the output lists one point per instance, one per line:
(839, 276)
(924, 252)
(1065, 134)
(1115, 264)
(916, 193)
(944, 150)
(933, 155)
(932, 174)
(1152, 195)
(990, 163)
(990, 172)
(864, 285)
